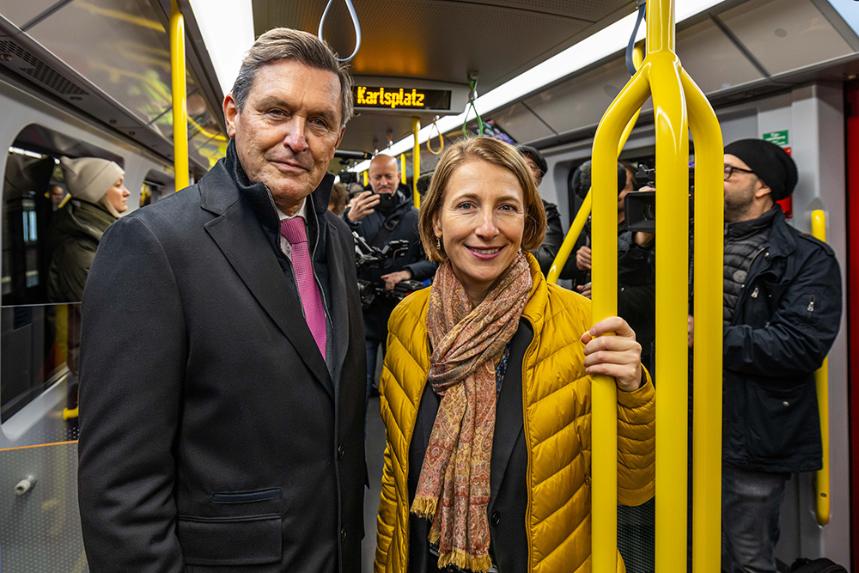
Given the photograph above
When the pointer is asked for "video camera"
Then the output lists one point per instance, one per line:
(370, 257)
(640, 206)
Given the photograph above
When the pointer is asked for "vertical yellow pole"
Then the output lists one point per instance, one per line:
(604, 273)
(672, 267)
(707, 344)
(403, 168)
(416, 163)
(180, 102)
(366, 178)
(821, 380)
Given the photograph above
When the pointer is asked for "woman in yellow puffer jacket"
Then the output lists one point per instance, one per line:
(485, 391)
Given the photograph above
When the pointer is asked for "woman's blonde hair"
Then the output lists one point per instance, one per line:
(498, 153)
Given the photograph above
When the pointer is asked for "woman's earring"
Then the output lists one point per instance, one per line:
(438, 243)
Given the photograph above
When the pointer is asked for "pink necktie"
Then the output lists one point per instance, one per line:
(311, 299)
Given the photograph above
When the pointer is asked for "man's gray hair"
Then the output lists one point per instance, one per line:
(287, 44)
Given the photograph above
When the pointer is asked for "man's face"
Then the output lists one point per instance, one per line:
(288, 130)
(740, 189)
(384, 175)
(535, 171)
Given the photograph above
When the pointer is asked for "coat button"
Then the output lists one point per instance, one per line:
(343, 534)
(496, 518)
(785, 403)
(341, 451)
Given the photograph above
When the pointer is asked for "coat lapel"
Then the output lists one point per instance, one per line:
(339, 297)
(241, 239)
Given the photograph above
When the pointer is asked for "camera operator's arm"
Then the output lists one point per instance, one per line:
(362, 205)
(393, 279)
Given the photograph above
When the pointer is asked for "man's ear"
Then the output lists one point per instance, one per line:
(340, 137)
(762, 190)
(231, 112)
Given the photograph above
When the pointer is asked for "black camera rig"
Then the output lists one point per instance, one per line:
(368, 257)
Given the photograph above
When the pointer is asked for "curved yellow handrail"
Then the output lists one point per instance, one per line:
(180, 98)
(584, 211)
(678, 104)
(821, 380)
(416, 162)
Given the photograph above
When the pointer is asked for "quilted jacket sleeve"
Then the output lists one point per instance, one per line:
(636, 444)
(386, 517)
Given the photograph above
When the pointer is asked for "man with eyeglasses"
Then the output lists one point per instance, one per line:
(782, 308)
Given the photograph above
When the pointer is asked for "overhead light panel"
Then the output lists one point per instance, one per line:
(227, 27)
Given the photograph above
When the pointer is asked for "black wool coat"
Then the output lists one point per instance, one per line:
(214, 436)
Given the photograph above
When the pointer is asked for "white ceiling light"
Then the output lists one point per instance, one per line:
(227, 27)
(594, 48)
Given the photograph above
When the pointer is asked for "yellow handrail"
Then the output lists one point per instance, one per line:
(403, 168)
(180, 99)
(672, 90)
(416, 162)
(707, 334)
(365, 177)
(821, 380)
(585, 209)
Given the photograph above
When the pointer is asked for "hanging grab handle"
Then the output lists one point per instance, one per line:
(355, 23)
(440, 139)
(472, 95)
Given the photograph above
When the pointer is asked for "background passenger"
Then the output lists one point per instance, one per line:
(99, 197)
(477, 483)
(339, 199)
(233, 438)
(380, 216)
(548, 249)
(782, 309)
(57, 194)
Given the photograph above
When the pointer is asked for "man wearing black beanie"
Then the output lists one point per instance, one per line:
(782, 308)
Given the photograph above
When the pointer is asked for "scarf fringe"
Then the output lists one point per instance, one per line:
(424, 507)
(463, 560)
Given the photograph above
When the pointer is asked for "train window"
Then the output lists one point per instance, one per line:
(155, 186)
(55, 211)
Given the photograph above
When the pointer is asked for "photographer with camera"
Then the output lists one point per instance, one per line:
(384, 217)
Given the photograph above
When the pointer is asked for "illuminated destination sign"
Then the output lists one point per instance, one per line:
(379, 97)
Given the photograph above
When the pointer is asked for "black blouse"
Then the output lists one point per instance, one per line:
(508, 497)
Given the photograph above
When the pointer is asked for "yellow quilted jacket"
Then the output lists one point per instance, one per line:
(556, 400)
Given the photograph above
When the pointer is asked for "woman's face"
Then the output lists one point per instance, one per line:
(117, 196)
(481, 222)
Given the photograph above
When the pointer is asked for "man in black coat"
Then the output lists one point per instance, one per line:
(782, 304)
(222, 396)
(380, 216)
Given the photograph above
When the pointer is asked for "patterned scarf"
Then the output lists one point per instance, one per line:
(453, 488)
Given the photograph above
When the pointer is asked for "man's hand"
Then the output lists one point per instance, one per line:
(611, 350)
(584, 290)
(392, 279)
(583, 258)
(362, 205)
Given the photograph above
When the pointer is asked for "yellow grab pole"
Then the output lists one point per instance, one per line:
(403, 168)
(416, 162)
(604, 273)
(672, 267)
(180, 100)
(707, 343)
(581, 217)
(365, 177)
(821, 380)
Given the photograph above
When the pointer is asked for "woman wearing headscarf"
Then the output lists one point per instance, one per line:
(486, 389)
(99, 197)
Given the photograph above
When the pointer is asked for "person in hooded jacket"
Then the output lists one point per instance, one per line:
(380, 216)
(99, 197)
